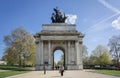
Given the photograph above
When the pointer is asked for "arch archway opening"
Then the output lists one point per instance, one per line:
(58, 59)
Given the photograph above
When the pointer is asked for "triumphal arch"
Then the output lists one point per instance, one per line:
(59, 36)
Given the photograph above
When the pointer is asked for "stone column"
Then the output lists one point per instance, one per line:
(51, 54)
(69, 56)
(80, 46)
(77, 53)
(41, 52)
(66, 56)
(49, 51)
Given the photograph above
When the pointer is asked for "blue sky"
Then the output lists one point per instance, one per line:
(57, 55)
(99, 20)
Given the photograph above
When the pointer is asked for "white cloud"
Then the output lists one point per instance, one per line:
(71, 19)
(100, 25)
(114, 9)
(106, 4)
(116, 23)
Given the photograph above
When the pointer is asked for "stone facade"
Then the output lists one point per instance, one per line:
(59, 36)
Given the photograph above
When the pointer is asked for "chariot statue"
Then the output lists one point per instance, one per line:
(58, 16)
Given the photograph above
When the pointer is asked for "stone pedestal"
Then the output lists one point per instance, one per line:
(59, 36)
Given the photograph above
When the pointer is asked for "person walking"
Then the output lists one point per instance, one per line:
(62, 70)
(44, 69)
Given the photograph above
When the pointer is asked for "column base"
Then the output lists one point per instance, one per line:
(41, 67)
(74, 67)
(50, 67)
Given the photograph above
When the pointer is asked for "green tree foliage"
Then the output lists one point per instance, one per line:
(10, 56)
(55, 64)
(92, 60)
(20, 47)
(60, 62)
(84, 51)
(62, 58)
(101, 55)
(85, 55)
(114, 44)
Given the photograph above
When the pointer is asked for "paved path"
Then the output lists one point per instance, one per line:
(67, 74)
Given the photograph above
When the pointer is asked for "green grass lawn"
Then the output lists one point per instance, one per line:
(13, 70)
(109, 72)
(10, 73)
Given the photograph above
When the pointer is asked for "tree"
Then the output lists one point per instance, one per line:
(84, 51)
(62, 58)
(60, 62)
(55, 64)
(20, 47)
(92, 60)
(114, 44)
(10, 56)
(101, 55)
(85, 55)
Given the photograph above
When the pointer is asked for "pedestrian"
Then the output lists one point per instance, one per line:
(58, 67)
(44, 69)
(62, 70)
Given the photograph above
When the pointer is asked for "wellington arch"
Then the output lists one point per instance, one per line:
(62, 36)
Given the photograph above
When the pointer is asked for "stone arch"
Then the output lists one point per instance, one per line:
(58, 48)
(59, 36)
